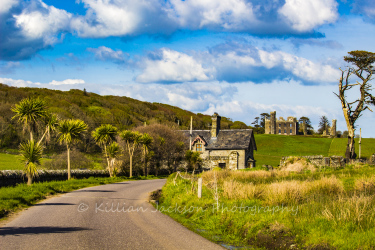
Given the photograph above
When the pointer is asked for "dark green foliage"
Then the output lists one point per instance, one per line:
(122, 112)
(78, 160)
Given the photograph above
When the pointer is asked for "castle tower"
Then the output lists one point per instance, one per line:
(215, 125)
(304, 127)
(333, 128)
(273, 122)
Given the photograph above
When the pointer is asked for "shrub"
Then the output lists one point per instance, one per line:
(77, 160)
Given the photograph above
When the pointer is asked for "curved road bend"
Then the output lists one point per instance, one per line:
(101, 217)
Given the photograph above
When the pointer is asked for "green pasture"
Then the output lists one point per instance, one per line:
(12, 162)
(272, 147)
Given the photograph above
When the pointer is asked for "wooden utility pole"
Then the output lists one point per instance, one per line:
(360, 138)
(191, 130)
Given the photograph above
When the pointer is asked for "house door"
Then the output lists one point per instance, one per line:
(222, 165)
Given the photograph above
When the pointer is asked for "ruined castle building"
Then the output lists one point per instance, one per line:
(333, 132)
(280, 126)
(231, 149)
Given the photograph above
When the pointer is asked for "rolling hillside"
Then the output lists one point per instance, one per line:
(272, 147)
(123, 112)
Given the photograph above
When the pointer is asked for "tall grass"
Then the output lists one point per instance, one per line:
(322, 210)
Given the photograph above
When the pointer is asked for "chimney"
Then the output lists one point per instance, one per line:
(215, 125)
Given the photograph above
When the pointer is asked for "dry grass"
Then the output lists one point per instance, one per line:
(295, 164)
(237, 190)
(358, 209)
(282, 192)
(242, 176)
(365, 185)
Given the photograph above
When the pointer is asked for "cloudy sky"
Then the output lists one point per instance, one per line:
(239, 58)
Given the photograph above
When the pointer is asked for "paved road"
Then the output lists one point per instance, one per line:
(113, 216)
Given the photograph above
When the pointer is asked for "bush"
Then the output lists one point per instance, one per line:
(77, 160)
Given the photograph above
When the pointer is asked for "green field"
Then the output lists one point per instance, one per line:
(12, 162)
(272, 147)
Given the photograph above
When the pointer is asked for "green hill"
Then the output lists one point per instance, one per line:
(123, 112)
(272, 147)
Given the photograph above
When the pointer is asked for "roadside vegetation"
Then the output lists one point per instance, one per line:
(324, 209)
(13, 199)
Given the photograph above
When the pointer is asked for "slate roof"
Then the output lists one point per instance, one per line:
(226, 139)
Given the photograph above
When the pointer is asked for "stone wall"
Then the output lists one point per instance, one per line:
(13, 177)
(233, 159)
(319, 160)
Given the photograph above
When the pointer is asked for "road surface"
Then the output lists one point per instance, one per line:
(113, 216)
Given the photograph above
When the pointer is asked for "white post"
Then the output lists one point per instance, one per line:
(360, 138)
(199, 187)
(191, 129)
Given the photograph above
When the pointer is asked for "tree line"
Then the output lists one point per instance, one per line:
(153, 145)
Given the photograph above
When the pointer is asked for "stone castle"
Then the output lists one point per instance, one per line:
(279, 126)
(290, 126)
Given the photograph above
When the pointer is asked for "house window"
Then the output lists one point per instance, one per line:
(279, 125)
(222, 165)
(291, 125)
(284, 131)
(198, 147)
(279, 131)
(291, 131)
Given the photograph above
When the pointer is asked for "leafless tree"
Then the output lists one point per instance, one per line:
(363, 70)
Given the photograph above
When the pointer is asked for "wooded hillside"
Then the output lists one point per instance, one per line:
(94, 110)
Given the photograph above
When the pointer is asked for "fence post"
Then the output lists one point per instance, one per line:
(199, 187)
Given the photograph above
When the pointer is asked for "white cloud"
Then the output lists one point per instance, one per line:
(24, 83)
(67, 82)
(104, 53)
(305, 15)
(254, 62)
(173, 66)
(40, 21)
(122, 17)
(6, 5)
(18, 83)
(227, 14)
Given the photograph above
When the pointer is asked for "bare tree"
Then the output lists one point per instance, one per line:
(363, 70)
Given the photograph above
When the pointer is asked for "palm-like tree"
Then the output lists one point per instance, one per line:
(103, 136)
(29, 111)
(132, 140)
(70, 132)
(51, 122)
(31, 153)
(113, 152)
(146, 141)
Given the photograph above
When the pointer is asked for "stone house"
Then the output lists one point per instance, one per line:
(232, 149)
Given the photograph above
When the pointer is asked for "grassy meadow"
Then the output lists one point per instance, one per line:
(272, 147)
(326, 209)
(13, 162)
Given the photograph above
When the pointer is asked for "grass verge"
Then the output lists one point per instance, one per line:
(327, 209)
(13, 199)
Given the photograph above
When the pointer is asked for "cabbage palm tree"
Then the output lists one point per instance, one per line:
(31, 153)
(114, 152)
(145, 141)
(70, 132)
(132, 140)
(103, 136)
(29, 111)
(51, 122)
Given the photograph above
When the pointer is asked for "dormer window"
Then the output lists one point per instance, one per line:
(198, 147)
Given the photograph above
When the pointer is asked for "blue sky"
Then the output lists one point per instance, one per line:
(239, 58)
